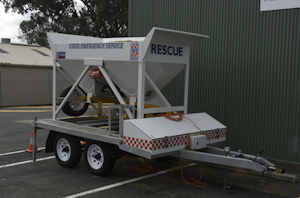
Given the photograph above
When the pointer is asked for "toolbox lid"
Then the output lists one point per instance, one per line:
(160, 127)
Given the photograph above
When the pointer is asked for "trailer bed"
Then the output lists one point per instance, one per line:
(71, 128)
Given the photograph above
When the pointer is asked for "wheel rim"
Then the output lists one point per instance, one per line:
(95, 156)
(78, 104)
(63, 149)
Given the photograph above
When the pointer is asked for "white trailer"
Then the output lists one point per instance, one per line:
(132, 72)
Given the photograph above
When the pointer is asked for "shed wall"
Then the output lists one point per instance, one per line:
(246, 75)
(23, 85)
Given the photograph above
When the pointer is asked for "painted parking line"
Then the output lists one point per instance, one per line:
(26, 162)
(16, 152)
(126, 182)
(23, 111)
(32, 107)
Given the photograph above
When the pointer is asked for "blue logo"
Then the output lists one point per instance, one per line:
(60, 55)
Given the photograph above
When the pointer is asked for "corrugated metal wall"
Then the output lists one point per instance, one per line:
(247, 75)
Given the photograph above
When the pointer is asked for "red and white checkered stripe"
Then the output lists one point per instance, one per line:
(172, 142)
(138, 143)
(156, 144)
(215, 134)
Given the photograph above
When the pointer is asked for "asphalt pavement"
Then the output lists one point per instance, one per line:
(20, 177)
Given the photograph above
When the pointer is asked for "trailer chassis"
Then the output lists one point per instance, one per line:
(117, 148)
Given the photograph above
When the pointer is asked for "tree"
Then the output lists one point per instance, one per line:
(98, 18)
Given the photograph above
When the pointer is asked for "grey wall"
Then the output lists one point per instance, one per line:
(23, 85)
(246, 75)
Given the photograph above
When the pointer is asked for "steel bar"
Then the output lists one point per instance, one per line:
(221, 159)
(115, 90)
(72, 89)
(71, 81)
(34, 139)
(156, 89)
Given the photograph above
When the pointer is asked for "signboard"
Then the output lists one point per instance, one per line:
(266, 5)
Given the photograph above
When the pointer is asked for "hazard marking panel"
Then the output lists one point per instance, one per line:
(155, 144)
(215, 134)
(134, 51)
(172, 142)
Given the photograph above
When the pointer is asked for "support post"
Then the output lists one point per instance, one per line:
(141, 83)
(186, 87)
(225, 187)
(109, 119)
(34, 139)
(121, 118)
(54, 90)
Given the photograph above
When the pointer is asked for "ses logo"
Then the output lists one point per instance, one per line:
(60, 55)
(166, 50)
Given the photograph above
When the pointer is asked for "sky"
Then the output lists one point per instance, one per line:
(10, 23)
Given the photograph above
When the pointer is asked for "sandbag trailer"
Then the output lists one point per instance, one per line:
(135, 70)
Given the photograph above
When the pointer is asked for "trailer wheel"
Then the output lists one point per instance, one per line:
(98, 158)
(67, 150)
(76, 107)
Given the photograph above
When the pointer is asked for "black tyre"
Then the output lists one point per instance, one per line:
(67, 150)
(98, 158)
(76, 107)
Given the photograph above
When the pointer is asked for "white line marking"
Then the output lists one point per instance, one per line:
(25, 162)
(15, 152)
(124, 182)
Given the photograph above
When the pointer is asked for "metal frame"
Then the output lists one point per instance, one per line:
(71, 90)
(141, 84)
(54, 90)
(82, 131)
(222, 160)
(218, 151)
(74, 86)
(76, 83)
(114, 89)
(153, 85)
(71, 81)
(121, 109)
(142, 75)
(209, 154)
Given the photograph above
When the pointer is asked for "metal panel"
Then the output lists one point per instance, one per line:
(246, 75)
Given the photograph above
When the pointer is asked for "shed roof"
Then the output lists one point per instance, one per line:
(20, 54)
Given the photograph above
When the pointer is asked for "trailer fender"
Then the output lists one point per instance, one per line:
(50, 141)
(114, 151)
